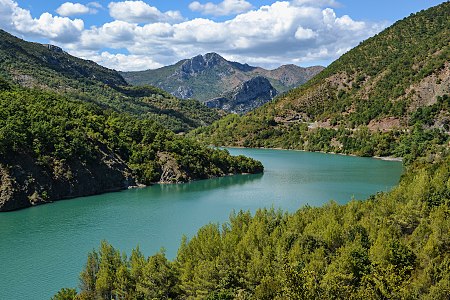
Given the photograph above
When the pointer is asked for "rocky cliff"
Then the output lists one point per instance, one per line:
(245, 97)
(26, 182)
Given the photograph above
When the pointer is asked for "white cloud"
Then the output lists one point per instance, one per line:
(200, 31)
(95, 4)
(305, 33)
(224, 8)
(19, 20)
(71, 9)
(273, 34)
(116, 34)
(141, 12)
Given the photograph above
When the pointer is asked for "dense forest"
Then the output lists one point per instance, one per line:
(389, 96)
(53, 147)
(48, 67)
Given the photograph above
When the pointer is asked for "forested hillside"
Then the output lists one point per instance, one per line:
(388, 96)
(50, 68)
(54, 147)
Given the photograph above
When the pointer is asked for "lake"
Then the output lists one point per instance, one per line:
(44, 248)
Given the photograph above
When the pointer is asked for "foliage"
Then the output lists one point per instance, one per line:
(52, 128)
(392, 246)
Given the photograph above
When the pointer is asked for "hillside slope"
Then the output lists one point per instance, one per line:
(389, 91)
(53, 147)
(50, 68)
(208, 76)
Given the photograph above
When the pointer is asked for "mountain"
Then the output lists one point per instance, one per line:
(209, 76)
(245, 97)
(386, 97)
(49, 67)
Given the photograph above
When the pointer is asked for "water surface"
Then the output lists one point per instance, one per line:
(44, 248)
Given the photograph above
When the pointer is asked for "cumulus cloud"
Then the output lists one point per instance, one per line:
(71, 9)
(224, 8)
(141, 12)
(19, 20)
(116, 34)
(305, 33)
(283, 32)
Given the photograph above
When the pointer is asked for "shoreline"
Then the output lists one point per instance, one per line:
(385, 158)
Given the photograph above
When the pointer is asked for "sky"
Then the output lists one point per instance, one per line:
(147, 34)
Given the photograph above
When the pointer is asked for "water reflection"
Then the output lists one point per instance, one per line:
(208, 184)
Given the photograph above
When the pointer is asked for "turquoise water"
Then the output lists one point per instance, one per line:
(44, 248)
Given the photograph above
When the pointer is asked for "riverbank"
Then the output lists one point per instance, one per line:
(386, 158)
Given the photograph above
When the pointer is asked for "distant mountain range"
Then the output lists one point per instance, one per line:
(210, 76)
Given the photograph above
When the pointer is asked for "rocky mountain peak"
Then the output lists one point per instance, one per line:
(199, 63)
(246, 96)
(210, 76)
(256, 87)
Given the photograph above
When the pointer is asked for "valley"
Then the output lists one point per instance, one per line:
(218, 179)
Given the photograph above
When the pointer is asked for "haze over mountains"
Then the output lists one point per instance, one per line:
(210, 76)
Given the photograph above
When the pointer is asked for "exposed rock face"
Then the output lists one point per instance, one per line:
(54, 48)
(25, 182)
(171, 172)
(210, 76)
(183, 92)
(247, 96)
(201, 63)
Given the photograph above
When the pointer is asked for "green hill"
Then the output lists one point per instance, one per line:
(50, 68)
(54, 147)
(387, 96)
(69, 128)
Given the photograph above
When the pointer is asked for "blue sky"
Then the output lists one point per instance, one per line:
(143, 34)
